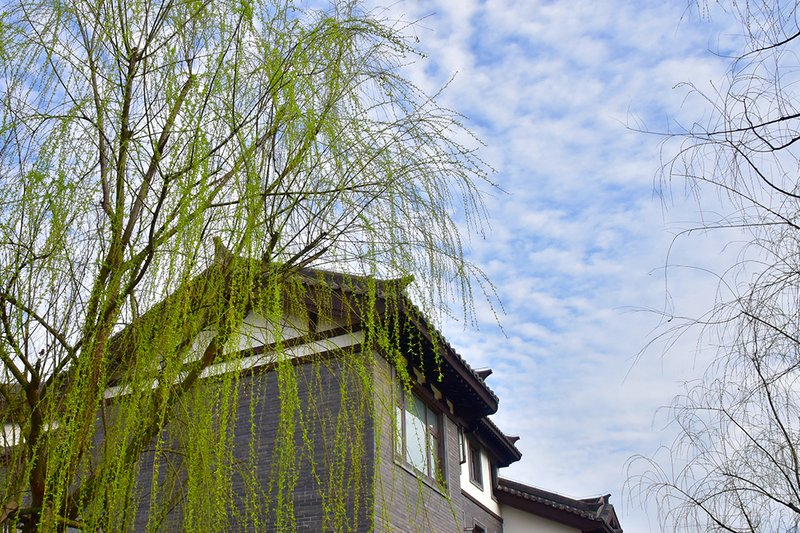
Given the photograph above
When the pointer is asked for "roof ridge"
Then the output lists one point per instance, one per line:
(552, 499)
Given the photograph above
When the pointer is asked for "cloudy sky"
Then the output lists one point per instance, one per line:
(578, 245)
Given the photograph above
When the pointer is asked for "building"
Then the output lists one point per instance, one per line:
(352, 413)
(526, 509)
(420, 449)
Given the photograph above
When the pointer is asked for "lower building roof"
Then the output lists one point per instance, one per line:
(589, 515)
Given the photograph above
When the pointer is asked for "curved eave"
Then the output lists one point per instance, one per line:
(439, 361)
(501, 445)
(589, 515)
(446, 369)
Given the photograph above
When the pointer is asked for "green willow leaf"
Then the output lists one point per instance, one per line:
(133, 137)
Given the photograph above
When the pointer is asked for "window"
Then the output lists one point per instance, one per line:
(478, 528)
(475, 465)
(462, 446)
(417, 434)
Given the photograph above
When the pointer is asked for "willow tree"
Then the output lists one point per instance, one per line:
(133, 134)
(735, 464)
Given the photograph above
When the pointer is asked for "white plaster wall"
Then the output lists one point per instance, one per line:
(256, 331)
(326, 323)
(516, 521)
(301, 350)
(483, 496)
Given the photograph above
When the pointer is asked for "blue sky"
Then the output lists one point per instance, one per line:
(577, 247)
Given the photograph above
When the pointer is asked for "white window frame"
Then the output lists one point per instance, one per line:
(475, 466)
(409, 444)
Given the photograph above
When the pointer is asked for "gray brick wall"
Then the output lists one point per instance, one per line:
(407, 502)
(403, 500)
(326, 425)
(472, 513)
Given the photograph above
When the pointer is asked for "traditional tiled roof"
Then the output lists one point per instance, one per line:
(463, 371)
(351, 283)
(590, 515)
(360, 285)
(502, 445)
(445, 367)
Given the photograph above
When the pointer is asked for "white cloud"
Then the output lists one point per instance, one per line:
(578, 243)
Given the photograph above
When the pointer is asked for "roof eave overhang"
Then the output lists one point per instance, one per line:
(499, 444)
(549, 512)
(440, 363)
(444, 368)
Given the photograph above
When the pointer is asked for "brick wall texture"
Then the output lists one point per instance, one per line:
(344, 475)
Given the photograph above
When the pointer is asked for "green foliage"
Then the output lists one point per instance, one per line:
(132, 136)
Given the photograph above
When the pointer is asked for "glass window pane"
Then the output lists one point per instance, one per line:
(475, 464)
(398, 430)
(418, 407)
(433, 422)
(437, 467)
(416, 453)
